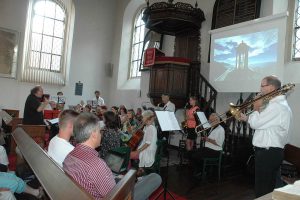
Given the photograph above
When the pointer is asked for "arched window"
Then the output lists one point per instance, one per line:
(137, 46)
(47, 33)
(296, 43)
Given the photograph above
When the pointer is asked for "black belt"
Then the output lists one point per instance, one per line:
(266, 148)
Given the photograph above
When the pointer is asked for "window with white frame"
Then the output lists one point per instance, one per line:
(137, 46)
(296, 45)
(46, 44)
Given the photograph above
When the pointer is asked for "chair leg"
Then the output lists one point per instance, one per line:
(203, 170)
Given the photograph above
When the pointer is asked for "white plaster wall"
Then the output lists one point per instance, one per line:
(92, 47)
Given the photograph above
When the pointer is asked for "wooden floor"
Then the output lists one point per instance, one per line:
(233, 186)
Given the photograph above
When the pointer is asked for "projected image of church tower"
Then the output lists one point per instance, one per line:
(242, 56)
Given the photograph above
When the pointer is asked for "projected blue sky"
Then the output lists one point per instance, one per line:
(262, 48)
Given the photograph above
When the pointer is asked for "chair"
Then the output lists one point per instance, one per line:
(155, 168)
(125, 151)
(217, 161)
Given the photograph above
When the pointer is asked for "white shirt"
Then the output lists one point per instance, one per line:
(58, 149)
(3, 156)
(272, 124)
(169, 107)
(218, 134)
(147, 156)
(100, 101)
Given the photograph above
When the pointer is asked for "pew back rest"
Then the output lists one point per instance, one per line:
(37, 132)
(292, 155)
(13, 113)
(53, 179)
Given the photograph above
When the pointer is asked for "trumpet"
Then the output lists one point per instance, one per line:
(236, 110)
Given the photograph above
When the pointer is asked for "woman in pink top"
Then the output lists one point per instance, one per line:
(191, 122)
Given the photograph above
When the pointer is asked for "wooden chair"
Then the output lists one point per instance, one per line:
(56, 183)
(217, 161)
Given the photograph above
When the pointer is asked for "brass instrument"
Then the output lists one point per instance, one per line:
(236, 110)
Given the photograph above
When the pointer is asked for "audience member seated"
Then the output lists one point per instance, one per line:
(59, 146)
(110, 133)
(213, 143)
(147, 149)
(10, 182)
(90, 171)
(3, 160)
(33, 111)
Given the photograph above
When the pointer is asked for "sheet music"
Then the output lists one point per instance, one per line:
(53, 121)
(167, 121)
(201, 116)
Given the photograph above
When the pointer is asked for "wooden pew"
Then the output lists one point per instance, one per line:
(56, 183)
(13, 113)
(34, 131)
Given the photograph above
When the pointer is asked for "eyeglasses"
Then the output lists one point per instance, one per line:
(263, 85)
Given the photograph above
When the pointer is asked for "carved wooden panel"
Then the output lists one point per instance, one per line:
(172, 79)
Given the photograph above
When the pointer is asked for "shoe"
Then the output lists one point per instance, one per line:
(41, 193)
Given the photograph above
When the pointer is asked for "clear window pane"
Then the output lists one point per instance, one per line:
(47, 44)
(48, 26)
(37, 24)
(55, 65)
(50, 9)
(57, 46)
(59, 29)
(39, 8)
(45, 61)
(34, 60)
(59, 14)
(36, 42)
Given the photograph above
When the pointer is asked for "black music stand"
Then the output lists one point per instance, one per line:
(167, 122)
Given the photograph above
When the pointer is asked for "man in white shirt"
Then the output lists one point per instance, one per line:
(98, 99)
(59, 146)
(168, 105)
(271, 125)
(213, 142)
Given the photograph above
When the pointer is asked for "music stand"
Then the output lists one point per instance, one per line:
(167, 122)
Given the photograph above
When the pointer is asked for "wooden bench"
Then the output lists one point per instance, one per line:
(57, 184)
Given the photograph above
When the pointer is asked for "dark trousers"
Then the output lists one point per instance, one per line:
(267, 167)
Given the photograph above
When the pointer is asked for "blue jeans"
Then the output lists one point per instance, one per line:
(146, 186)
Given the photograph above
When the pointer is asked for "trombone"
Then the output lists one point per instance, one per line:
(236, 110)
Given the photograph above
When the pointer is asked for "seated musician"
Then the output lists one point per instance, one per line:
(123, 114)
(131, 122)
(213, 143)
(110, 133)
(147, 149)
(59, 146)
(90, 171)
(191, 122)
(138, 114)
(115, 109)
(10, 182)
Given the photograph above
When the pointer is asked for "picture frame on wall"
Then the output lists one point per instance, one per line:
(9, 43)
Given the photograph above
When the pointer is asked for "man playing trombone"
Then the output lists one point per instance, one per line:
(271, 124)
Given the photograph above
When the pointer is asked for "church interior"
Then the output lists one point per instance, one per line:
(135, 57)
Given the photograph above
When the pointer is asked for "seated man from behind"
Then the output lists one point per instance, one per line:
(213, 143)
(90, 171)
(59, 146)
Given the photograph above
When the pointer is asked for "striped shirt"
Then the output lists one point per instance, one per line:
(90, 171)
